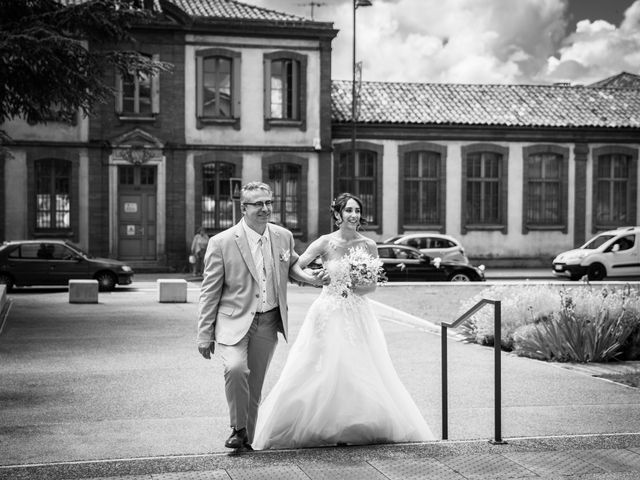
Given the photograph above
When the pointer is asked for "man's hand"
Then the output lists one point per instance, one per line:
(322, 277)
(206, 352)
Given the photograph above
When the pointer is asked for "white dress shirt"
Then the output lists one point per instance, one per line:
(264, 267)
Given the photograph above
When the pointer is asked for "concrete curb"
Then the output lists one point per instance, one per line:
(122, 467)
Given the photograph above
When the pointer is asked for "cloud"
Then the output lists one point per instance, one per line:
(475, 41)
(597, 50)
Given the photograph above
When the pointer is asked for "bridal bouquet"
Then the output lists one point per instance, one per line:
(359, 268)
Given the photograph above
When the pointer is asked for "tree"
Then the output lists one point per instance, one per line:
(46, 66)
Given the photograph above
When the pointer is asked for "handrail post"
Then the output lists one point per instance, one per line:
(445, 406)
(497, 350)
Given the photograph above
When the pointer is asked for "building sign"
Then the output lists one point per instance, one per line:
(131, 229)
(130, 207)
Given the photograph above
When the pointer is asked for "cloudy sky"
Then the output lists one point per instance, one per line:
(480, 41)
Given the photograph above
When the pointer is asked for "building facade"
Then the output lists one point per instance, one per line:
(518, 173)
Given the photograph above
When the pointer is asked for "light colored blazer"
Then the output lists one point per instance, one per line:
(229, 294)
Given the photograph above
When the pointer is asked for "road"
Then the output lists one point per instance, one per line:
(122, 378)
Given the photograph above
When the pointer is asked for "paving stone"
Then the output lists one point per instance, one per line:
(425, 469)
(611, 460)
(557, 463)
(339, 471)
(488, 466)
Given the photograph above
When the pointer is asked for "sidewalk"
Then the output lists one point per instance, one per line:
(557, 423)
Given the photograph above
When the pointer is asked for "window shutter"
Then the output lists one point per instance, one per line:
(267, 88)
(199, 84)
(235, 86)
(119, 93)
(155, 89)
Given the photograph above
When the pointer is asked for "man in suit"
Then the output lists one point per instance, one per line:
(243, 304)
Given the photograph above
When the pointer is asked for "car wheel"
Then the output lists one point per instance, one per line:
(597, 272)
(6, 279)
(106, 281)
(459, 277)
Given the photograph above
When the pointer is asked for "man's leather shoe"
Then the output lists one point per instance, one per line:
(237, 439)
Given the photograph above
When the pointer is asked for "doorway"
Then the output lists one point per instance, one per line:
(137, 212)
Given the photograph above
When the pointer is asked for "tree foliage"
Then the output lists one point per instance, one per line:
(53, 54)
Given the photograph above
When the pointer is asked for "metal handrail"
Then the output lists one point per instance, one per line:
(497, 329)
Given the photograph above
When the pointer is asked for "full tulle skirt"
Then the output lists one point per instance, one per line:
(338, 385)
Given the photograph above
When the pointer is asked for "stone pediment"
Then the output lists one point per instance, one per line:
(136, 147)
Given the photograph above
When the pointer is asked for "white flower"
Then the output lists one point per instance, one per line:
(285, 255)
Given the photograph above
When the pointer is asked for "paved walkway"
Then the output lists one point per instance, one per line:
(557, 423)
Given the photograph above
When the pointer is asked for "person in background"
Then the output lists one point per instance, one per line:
(198, 249)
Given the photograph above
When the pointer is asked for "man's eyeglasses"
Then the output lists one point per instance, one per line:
(267, 204)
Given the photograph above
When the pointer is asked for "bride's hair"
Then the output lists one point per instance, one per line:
(339, 204)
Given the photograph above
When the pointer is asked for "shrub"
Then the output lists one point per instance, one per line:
(520, 305)
(582, 324)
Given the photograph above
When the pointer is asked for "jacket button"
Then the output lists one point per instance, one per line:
(257, 296)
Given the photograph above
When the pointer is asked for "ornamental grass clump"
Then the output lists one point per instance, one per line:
(581, 324)
(520, 306)
(590, 326)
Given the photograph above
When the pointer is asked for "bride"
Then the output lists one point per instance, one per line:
(338, 385)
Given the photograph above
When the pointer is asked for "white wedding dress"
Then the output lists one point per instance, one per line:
(338, 384)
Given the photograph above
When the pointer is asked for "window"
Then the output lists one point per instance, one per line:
(138, 95)
(545, 188)
(615, 173)
(217, 202)
(285, 89)
(137, 175)
(360, 177)
(218, 87)
(484, 188)
(53, 194)
(285, 180)
(422, 173)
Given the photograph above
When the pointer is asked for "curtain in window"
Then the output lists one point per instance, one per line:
(217, 203)
(421, 188)
(544, 205)
(612, 190)
(53, 189)
(360, 178)
(216, 85)
(285, 80)
(285, 180)
(483, 188)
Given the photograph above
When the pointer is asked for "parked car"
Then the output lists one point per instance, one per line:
(55, 262)
(408, 264)
(432, 244)
(614, 253)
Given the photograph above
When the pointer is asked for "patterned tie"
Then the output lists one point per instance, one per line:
(267, 268)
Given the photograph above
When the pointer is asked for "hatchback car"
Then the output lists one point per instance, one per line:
(614, 253)
(55, 262)
(432, 244)
(408, 264)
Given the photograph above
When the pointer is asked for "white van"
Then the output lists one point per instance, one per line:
(614, 253)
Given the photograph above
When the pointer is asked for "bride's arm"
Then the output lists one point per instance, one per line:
(298, 272)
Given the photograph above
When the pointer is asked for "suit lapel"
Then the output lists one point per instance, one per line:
(245, 251)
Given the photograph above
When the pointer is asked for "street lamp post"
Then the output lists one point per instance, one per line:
(356, 4)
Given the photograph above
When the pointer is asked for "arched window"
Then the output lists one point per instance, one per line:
(545, 185)
(217, 202)
(615, 187)
(53, 194)
(423, 186)
(484, 189)
(285, 180)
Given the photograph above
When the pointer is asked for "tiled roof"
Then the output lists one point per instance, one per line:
(621, 80)
(227, 9)
(231, 9)
(499, 105)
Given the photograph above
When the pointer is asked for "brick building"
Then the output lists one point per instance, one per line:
(514, 171)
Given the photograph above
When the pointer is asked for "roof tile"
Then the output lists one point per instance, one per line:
(507, 105)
